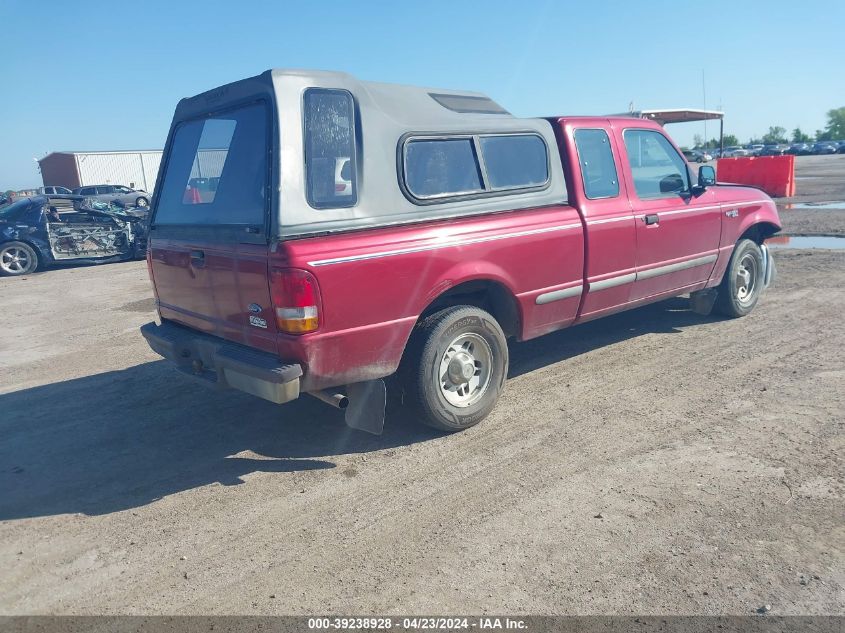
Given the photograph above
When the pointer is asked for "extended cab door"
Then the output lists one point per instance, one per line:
(602, 197)
(209, 234)
(677, 232)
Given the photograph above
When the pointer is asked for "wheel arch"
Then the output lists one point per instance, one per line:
(758, 232)
(487, 293)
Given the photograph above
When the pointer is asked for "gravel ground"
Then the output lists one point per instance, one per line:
(651, 462)
(813, 222)
(820, 181)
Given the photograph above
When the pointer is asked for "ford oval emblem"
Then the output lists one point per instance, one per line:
(254, 308)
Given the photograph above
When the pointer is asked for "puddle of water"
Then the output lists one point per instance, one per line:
(835, 204)
(810, 241)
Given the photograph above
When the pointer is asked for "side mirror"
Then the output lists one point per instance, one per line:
(673, 183)
(706, 176)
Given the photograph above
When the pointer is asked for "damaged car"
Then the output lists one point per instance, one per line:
(34, 235)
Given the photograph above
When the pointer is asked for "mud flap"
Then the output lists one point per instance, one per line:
(367, 402)
(701, 302)
(769, 270)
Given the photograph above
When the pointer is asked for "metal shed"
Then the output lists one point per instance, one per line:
(683, 115)
(133, 168)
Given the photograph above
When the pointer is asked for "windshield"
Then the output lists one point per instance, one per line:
(216, 171)
(14, 209)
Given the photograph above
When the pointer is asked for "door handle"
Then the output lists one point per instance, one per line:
(197, 258)
(651, 219)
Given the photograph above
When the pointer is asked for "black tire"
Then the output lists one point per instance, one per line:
(142, 202)
(17, 258)
(742, 284)
(428, 351)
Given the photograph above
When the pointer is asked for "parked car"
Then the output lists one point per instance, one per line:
(459, 234)
(34, 235)
(697, 156)
(772, 150)
(54, 191)
(841, 149)
(824, 147)
(115, 193)
(735, 151)
(754, 149)
(799, 149)
(61, 197)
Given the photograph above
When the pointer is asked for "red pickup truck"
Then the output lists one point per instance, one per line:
(312, 233)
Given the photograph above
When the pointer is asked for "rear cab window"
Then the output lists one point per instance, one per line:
(216, 171)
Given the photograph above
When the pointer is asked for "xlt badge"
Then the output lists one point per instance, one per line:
(257, 321)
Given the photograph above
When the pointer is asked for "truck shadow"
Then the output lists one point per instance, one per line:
(665, 317)
(123, 439)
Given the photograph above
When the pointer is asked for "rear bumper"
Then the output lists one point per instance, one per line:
(223, 364)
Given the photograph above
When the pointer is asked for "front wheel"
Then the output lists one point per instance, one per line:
(457, 365)
(743, 282)
(17, 258)
(142, 203)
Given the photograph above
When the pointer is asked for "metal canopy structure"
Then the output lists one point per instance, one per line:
(683, 115)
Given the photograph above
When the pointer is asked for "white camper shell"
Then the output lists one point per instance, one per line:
(344, 154)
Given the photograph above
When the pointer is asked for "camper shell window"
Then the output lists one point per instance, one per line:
(457, 166)
(468, 104)
(216, 170)
(330, 160)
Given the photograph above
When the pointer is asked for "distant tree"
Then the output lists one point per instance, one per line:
(729, 140)
(776, 134)
(799, 137)
(824, 135)
(755, 141)
(835, 124)
(697, 140)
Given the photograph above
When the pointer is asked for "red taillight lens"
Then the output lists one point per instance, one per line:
(296, 300)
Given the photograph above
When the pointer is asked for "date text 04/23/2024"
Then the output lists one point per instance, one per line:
(416, 623)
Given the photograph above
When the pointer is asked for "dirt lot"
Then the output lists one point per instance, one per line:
(652, 462)
(820, 184)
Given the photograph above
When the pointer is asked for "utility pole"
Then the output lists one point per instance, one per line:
(704, 102)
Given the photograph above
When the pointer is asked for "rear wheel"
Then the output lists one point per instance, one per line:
(743, 282)
(17, 258)
(142, 202)
(457, 365)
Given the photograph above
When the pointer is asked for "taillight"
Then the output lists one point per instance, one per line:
(296, 300)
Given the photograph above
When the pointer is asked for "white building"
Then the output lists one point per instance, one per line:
(134, 168)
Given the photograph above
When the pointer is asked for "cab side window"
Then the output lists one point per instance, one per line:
(658, 169)
(597, 167)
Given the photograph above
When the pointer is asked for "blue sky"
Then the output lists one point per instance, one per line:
(92, 75)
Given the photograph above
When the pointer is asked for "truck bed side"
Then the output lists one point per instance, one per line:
(375, 284)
